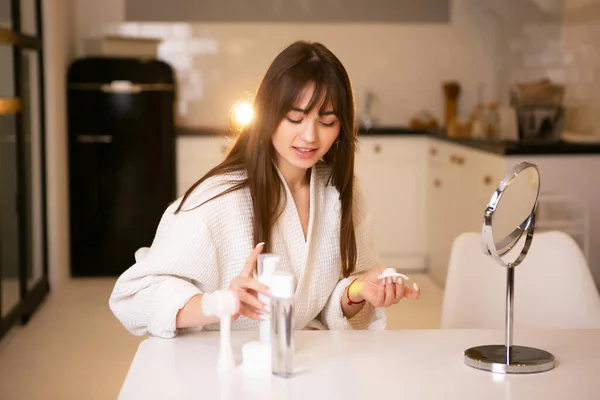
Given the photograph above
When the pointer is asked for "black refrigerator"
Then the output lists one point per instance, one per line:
(121, 159)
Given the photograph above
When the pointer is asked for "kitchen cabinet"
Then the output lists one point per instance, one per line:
(390, 171)
(461, 180)
(196, 155)
(459, 184)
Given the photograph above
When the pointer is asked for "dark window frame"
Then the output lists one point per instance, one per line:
(29, 299)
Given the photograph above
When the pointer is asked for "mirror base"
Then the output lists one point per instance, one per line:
(523, 360)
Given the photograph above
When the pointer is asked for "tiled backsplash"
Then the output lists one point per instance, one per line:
(218, 64)
(582, 65)
(567, 51)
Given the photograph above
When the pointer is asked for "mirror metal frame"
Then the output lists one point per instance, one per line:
(508, 358)
(527, 226)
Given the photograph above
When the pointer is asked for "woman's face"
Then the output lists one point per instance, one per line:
(302, 138)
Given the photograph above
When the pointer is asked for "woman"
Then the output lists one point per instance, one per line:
(287, 187)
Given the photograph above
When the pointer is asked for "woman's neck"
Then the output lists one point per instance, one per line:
(296, 178)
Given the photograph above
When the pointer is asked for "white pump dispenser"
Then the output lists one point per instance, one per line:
(267, 264)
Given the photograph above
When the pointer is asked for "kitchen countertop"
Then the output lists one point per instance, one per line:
(492, 146)
(509, 148)
(495, 146)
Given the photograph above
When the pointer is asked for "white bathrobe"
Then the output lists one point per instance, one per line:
(200, 250)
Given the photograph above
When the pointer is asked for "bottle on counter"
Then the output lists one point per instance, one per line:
(478, 125)
(282, 324)
(493, 122)
(478, 119)
(452, 92)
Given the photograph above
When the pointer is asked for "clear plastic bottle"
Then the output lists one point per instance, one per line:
(282, 324)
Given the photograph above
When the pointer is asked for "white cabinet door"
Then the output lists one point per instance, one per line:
(196, 155)
(439, 210)
(390, 172)
(460, 182)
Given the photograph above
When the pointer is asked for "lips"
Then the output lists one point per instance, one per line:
(304, 152)
(305, 149)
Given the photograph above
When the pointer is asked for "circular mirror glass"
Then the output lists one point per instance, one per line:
(510, 215)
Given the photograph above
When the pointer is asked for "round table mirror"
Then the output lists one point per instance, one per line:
(507, 234)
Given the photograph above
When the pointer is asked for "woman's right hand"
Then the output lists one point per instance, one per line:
(247, 288)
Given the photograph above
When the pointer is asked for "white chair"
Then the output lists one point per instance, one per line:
(554, 288)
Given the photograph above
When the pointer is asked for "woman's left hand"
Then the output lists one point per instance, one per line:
(381, 292)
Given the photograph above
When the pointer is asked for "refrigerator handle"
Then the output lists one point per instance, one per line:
(121, 87)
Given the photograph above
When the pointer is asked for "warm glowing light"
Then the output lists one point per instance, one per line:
(242, 113)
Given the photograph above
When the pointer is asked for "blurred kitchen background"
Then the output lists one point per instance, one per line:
(110, 109)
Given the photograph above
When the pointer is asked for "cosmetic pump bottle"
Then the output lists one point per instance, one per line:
(267, 264)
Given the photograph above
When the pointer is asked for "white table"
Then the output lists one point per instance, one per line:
(353, 365)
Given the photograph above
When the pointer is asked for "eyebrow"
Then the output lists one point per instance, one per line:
(306, 112)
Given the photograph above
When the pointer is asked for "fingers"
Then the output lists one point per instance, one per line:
(241, 282)
(390, 295)
(414, 293)
(247, 311)
(252, 302)
(250, 264)
(400, 289)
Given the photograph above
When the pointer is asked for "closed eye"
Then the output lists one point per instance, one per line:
(299, 121)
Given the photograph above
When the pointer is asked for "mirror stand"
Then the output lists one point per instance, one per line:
(509, 358)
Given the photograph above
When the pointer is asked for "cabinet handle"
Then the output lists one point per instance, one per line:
(487, 180)
(433, 151)
(437, 183)
(224, 149)
(457, 160)
(377, 148)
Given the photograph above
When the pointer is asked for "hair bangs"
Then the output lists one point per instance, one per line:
(326, 88)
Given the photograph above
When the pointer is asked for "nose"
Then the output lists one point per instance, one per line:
(309, 132)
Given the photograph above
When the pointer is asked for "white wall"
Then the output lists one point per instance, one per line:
(57, 55)
(404, 64)
(89, 17)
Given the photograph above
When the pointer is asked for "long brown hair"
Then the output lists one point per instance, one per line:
(298, 65)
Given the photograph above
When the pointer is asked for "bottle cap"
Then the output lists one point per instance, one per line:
(257, 358)
(282, 284)
(267, 263)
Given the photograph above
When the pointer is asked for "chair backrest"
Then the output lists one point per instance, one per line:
(553, 289)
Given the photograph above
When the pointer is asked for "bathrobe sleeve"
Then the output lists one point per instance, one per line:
(369, 317)
(181, 263)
